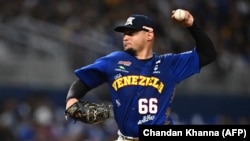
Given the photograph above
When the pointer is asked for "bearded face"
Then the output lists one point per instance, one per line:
(130, 51)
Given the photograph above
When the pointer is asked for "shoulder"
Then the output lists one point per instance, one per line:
(117, 55)
(113, 57)
(169, 55)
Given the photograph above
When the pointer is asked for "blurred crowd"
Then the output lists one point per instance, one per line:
(226, 21)
(38, 118)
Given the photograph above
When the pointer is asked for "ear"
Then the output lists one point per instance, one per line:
(150, 35)
(150, 32)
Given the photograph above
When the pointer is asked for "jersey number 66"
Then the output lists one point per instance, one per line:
(147, 106)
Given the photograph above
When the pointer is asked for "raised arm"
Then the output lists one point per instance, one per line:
(204, 44)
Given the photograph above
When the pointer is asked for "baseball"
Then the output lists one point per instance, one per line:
(179, 14)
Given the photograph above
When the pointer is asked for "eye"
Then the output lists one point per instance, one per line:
(130, 32)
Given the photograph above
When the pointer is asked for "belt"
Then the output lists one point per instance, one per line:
(121, 137)
(124, 138)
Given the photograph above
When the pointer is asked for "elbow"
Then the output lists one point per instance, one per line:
(212, 57)
(207, 59)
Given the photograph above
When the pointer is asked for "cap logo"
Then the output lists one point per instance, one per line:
(129, 21)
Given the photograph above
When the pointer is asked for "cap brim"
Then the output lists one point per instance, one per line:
(123, 28)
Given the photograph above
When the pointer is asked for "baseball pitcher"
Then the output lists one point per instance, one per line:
(141, 83)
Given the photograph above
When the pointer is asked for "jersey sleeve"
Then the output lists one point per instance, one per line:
(93, 74)
(185, 64)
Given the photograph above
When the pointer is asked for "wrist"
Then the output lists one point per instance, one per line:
(71, 101)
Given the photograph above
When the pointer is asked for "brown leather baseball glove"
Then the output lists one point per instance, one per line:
(86, 112)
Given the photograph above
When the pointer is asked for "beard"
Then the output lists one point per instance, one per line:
(131, 51)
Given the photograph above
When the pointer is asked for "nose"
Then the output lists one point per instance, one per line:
(125, 37)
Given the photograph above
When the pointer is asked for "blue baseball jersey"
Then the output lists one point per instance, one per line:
(141, 92)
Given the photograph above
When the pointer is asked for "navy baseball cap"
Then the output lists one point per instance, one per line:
(136, 22)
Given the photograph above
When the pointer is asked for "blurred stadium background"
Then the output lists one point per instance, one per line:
(43, 41)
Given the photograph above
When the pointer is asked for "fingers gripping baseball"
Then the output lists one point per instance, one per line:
(183, 17)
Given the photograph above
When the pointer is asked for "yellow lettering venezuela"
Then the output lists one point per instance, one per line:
(138, 80)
